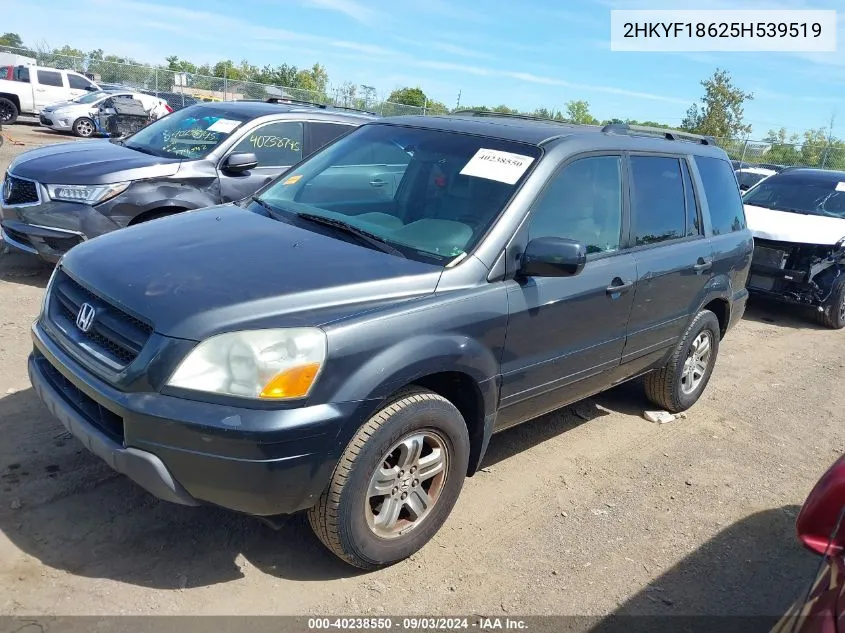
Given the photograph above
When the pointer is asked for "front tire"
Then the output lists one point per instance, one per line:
(8, 111)
(679, 384)
(84, 127)
(396, 483)
(833, 311)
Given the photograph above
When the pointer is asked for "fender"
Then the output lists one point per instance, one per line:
(721, 288)
(148, 195)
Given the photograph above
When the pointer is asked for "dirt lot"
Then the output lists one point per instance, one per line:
(591, 510)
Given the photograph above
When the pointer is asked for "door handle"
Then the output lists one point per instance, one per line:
(623, 286)
(377, 183)
(703, 264)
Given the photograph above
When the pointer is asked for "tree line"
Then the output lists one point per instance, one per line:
(719, 113)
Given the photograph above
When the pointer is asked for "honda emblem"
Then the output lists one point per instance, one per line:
(85, 318)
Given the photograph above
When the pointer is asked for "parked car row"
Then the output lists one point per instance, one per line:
(354, 305)
(29, 89)
(79, 116)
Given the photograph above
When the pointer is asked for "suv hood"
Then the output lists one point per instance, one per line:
(94, 162)
(223, 268)
(783, 226)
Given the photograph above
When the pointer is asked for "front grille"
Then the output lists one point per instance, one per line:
(773, 257)
(19, 191)
(94, 413)
(113, 334)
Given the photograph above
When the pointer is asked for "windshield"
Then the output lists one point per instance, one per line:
(92, 97)
(799, 195)
(431, 194)
(190, 133)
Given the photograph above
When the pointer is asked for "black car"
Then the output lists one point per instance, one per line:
(347, 341)
(57, 196)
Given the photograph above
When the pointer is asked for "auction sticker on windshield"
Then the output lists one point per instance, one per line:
(497, 165)
(224, 126)
(840, 186)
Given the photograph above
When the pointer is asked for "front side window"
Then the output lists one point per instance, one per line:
(189, 133)
(277, 144)
(430, 194)
(50, 78)
(658, 204)
(582, 202)
(77, 82)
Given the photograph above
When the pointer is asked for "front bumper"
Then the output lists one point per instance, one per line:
(256, 461)
(784, 285)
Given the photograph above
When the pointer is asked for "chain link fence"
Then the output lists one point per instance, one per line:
(821, 155)
(182, 88)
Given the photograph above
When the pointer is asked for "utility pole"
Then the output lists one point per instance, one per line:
(829, 139)
(458, 105)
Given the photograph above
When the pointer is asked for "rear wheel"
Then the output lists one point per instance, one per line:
(832, 314)
(396, 483)
(84, 127)
(679, 384)
(8, 111)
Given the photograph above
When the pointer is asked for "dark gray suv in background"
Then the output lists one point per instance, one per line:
(347, 341)
(57, 196)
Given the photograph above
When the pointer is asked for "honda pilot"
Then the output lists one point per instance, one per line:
(347, 341)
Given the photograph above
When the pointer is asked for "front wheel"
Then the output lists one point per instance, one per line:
(8, 111)
(832, 314)
(679, 384)
(396, 483)
(84, 127)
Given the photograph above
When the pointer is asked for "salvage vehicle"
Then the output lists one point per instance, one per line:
(57, 196)
(347, 340)
(35, 87)
(80, 115)
(797, 218)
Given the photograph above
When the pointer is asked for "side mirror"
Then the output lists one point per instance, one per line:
(553, 257)
(239, 163)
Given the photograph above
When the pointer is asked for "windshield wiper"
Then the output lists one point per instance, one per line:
(261, 202)
(373, 240)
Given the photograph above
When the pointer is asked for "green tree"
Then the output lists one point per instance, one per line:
(579, 112)
(12, 40)
(408, 96)
(721, 110)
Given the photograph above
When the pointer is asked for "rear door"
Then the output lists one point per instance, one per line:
(673, 255)
(277, 145)
(49, 87)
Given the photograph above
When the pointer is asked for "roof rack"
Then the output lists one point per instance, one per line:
(322, 106)
(337, 107)
(667, 133)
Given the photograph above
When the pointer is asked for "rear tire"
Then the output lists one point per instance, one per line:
(84, 127)
(679, 384)
(353, 517)
(833, 311)
(8, 111)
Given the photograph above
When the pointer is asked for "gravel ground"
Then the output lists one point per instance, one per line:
(588, 511)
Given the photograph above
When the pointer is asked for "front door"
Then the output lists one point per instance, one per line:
(674, 258)
(277, 145)
(566, 334)
(49, 88)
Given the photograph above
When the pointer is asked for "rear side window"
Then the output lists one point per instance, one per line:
(276, 144)
(5, 72)
(658, 204)
(50, 78)
(722, 193)
(321, 134)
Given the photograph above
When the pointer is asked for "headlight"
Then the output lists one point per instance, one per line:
(267, 364)
(88, 194)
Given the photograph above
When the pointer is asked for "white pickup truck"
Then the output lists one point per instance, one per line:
(31, 88)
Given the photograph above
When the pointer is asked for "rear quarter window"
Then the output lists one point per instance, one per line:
(721, 191)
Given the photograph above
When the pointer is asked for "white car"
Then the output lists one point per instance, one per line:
(79, 116)
(797, 218)
(747, 177)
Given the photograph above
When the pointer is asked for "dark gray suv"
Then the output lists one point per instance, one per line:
(347, 341)
(57, 196)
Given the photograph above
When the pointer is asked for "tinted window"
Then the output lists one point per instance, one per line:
(5, 72)
(50, 78)
(276, 144)
(78, 83)
(722, 193)
(22, 74)
(321, 134)
(582, 202)
(693, 217)
(658, 206)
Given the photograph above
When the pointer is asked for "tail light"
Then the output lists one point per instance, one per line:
(818, 523)
(168, 108)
